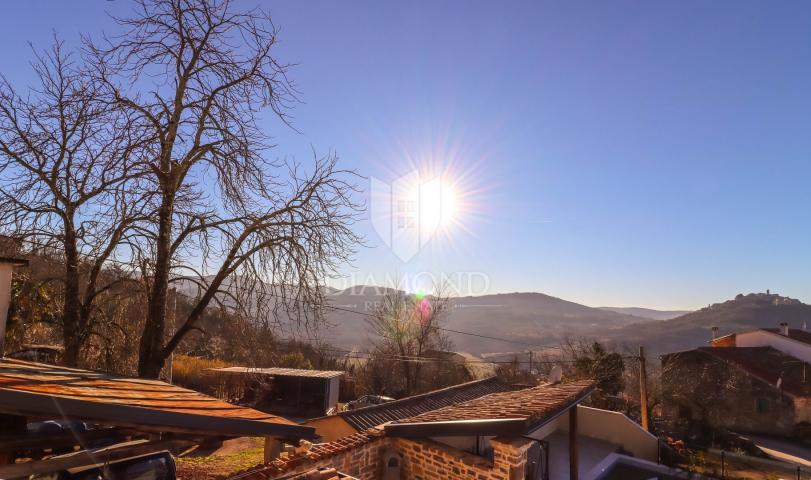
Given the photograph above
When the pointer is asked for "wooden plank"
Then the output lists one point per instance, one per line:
(273, 448)
(96, 456)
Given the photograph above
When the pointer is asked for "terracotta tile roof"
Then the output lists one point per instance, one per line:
(38, 389)
(322, 474)
(279, 372)
(530, 404)
(316, 452)
(372, 416)
(767, 364)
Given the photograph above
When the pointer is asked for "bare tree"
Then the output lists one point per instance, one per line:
(407, 328)
(67, 180)
(197, 74)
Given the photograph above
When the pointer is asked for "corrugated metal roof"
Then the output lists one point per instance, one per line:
(280, 372)
(49, 391)
(368, 417)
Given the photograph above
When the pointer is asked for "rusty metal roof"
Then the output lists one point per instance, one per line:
(280, 372)
(48, 391)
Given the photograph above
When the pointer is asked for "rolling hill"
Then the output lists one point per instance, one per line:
(754, 310)
(647, 312)
(525, 317)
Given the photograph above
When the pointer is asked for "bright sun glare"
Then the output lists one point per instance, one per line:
(437, 200)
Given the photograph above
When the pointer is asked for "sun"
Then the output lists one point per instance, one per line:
(438, 204)
(448, 200)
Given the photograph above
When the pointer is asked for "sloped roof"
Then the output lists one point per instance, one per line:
(317, 452)
(796, 334)
(49, 391)
(374, 415)
(498, 413)
(767, 364)
(280, 372)
(803, 336)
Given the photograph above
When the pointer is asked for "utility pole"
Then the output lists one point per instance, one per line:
(643, 389)
(530, 364)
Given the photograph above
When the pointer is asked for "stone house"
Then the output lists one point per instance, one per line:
(755, 381)
(536, 433)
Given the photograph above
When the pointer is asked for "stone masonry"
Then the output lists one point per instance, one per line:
(361, 455)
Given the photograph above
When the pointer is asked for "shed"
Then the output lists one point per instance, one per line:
(32, 391)
(288, 391)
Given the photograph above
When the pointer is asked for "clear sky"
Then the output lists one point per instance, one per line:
(611, 153)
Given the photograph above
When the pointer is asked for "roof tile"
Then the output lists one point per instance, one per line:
(531, 404)
(372, 416)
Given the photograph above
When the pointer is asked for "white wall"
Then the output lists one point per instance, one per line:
(760, 338)
(607, 426)
(334, 390)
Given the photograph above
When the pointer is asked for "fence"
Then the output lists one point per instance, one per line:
(729, 465)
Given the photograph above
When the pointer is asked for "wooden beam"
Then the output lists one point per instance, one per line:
(87, 458)
(573, 474)
(643, 389)
(273, 448)
(57, 440)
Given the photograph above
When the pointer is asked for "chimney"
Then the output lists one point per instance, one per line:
(6, 268)
(784, 328)
(714, 333)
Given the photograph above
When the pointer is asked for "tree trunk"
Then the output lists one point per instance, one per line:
(72, 334)
(151, 358)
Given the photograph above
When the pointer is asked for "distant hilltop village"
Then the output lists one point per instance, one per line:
(755, 299)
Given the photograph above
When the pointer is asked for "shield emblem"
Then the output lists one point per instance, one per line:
(406, 213)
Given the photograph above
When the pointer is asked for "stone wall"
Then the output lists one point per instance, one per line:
(362, 456)
(426, 459)
(358, 455)
(701, 391)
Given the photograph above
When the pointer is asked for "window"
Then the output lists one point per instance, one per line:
(762, 405)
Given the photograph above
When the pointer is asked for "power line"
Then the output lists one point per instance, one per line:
(375, 355)
(366, 314)
(451, 330)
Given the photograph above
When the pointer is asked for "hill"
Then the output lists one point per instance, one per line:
(754, 310)
(525, 317)
(647, 312)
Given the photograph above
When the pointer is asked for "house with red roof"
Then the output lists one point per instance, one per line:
(537, 433)
(757, 381)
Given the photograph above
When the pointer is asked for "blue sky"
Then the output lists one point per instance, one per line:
(611, 153)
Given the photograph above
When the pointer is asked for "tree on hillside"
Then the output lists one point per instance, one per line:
(592, 360)
(406, 329)
(68, 181)
(197, 75)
